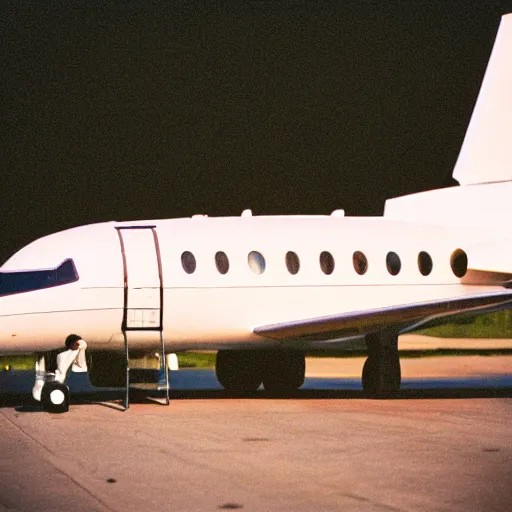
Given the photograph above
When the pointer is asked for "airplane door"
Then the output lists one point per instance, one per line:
(142, 277)
(143, 299)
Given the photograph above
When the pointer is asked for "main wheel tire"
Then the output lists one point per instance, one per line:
(55, 397)
(283, 371)
(238, 371)
(381, 376)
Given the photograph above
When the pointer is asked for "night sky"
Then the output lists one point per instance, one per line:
(132, 110)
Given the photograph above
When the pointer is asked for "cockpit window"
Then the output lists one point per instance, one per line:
(30, 280)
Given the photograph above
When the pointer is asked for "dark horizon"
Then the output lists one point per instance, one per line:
(135, 111)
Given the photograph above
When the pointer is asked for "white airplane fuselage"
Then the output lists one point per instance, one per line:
(206, 309)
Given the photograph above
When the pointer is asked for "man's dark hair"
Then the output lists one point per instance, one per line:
(71, 339)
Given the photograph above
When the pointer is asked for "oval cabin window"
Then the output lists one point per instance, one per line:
(188, 262)
(326, 262)
(459, 262)
(292, 262)
(393, 263)
(360, 262)
(222, 262)
(425, 264)
(256, 262)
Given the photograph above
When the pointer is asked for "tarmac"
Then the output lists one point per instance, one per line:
(444, 444)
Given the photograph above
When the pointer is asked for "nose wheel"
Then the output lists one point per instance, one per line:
(55, 397)
(51, 371)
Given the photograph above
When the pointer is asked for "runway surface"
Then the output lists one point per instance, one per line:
(444, 444)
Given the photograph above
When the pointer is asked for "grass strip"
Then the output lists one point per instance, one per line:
(207, 359)
(491, 326)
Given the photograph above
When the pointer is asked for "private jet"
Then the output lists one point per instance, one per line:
(263, 290)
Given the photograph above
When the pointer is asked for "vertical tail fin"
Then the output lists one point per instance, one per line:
(486, 154)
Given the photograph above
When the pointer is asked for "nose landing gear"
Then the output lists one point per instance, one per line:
(51, 372)
(55, 397)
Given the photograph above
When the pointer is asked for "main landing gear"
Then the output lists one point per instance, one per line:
(381, 371)
(51, 372)
(243, 371)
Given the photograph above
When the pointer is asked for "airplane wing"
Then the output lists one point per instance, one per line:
(405, 318)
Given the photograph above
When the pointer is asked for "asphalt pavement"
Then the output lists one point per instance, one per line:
(444, 444)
